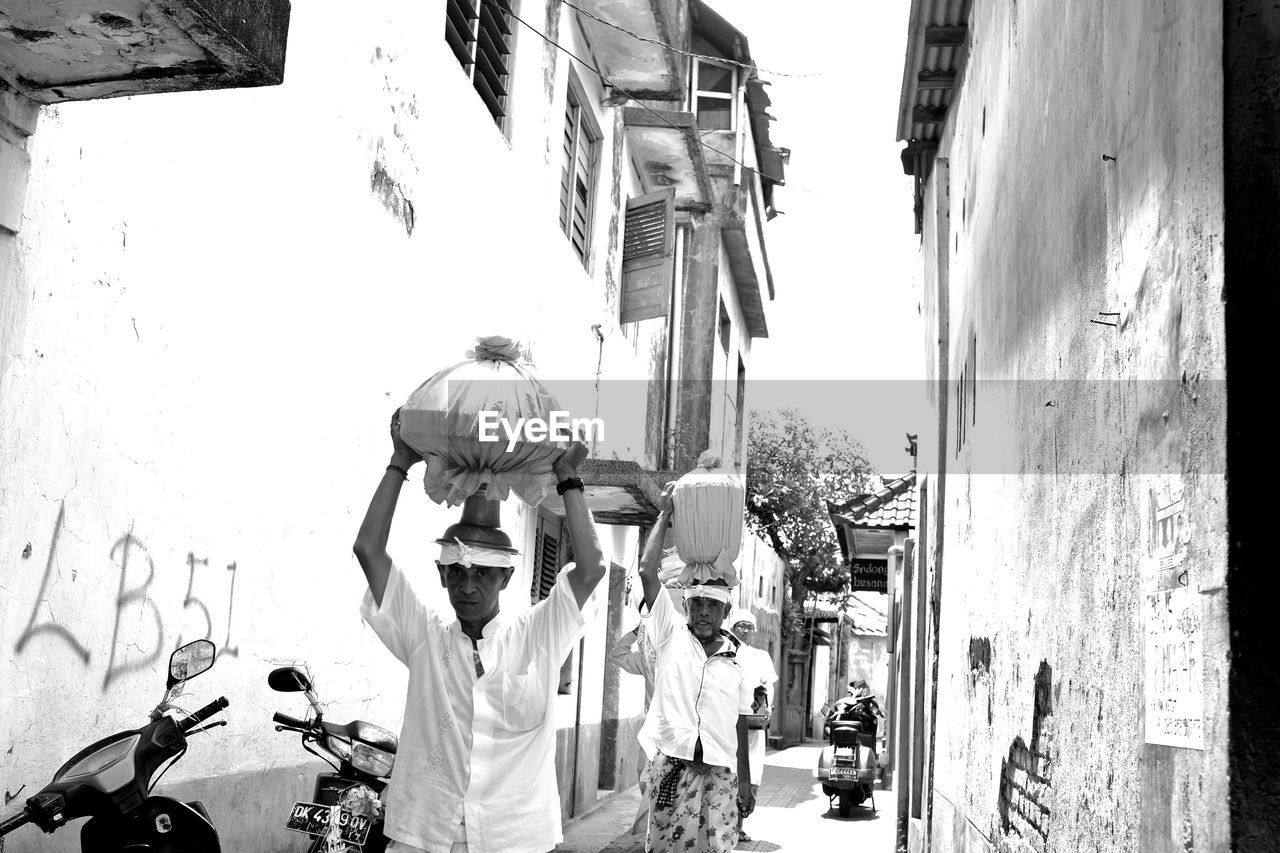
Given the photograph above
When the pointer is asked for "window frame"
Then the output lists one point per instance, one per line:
(696, 92)
(470, 45)
(576, 95)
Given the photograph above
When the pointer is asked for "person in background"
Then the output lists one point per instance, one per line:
(636, 655)
(859, 705)
(762, 676)
(475, 771)
(696, 729)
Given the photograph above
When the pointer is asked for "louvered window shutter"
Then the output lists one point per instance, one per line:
(546, 560)
(479, 33)
(648, 256)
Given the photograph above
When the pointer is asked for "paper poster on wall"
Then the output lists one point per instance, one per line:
(1169, 539)
(1173, 689)
(1174, 695)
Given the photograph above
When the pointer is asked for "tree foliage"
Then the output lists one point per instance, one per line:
(793, 470)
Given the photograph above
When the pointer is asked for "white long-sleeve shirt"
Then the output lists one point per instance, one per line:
(695, 695)
(759, 671)
(476, 748)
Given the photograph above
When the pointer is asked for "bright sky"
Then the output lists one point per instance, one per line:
(844, 255)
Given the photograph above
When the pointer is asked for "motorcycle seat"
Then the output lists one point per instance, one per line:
(359, 730)
(846, 734)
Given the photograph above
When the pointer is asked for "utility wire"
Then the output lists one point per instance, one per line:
(684, 131)
(750, 66)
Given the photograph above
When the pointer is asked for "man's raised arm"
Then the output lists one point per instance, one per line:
(651, 559)
(588, 556)
(371, 542)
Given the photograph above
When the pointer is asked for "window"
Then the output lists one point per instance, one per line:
(578, 169)
(760, 591)
(740, 426)
(551, 551)
(479, 32)
(546, 557)
(726, 328)
(648, 256)
(715, 94)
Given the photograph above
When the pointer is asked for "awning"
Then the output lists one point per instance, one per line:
(666, 146)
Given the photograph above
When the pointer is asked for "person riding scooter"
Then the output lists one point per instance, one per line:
(847, 767)
(859, 706)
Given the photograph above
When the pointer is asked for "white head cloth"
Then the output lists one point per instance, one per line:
(712, 591)
(467, 555)
(742, 615)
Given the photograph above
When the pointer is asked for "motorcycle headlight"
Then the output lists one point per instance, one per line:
(339, 747)
(375, 762)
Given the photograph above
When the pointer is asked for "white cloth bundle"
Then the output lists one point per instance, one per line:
(709, 505)
(441, 421)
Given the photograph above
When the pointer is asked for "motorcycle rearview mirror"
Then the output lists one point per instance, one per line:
(190, 660)
(289, 679)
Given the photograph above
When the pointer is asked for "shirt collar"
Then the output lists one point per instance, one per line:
(729, 648)
(491, 628)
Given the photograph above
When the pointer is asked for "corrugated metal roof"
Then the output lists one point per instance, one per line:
(937, 46)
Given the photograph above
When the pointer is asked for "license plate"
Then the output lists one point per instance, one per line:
(850, 773)
(313, 819)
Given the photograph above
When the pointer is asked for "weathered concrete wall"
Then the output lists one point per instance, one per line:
(869, 661)
(1083, 169)
(761, 575)
(211, 304)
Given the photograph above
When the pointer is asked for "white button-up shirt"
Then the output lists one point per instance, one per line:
(759, 671)
(479, 749)
(695, 695)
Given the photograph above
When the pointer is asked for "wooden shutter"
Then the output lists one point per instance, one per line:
(648, 256)
(546, 558)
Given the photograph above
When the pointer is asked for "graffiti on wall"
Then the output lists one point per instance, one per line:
(138, 633)
(1026, 774)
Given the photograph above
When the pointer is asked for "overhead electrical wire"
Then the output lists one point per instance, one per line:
(750, 66)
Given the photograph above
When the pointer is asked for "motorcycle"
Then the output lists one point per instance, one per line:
(110, 781)
(847, 766)
(346, 815)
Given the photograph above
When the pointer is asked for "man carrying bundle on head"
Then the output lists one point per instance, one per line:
(475, 769)
(699, 779)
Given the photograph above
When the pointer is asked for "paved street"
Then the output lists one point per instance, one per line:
(791, 816)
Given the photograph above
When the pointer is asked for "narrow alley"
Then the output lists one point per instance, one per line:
(496, 396)
(791, 816)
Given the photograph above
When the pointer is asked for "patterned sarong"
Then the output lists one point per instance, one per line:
(703, 810)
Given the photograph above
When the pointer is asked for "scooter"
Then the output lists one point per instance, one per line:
(847, 766)
(347, 813)
(110, 781)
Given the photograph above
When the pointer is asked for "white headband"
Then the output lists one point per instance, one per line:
(465, 555)
(712, 591)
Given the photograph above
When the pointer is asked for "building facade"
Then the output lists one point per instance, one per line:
(1095, 223)
(212, 298)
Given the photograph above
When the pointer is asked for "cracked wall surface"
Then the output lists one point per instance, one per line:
(1071, 446)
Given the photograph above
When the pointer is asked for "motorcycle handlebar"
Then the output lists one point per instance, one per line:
(203, 714)
(22, 818)
(292, 722)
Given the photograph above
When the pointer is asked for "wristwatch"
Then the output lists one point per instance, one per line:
(569, 483)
